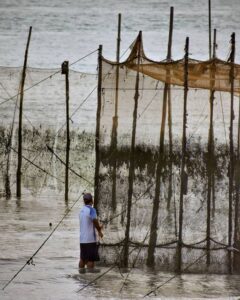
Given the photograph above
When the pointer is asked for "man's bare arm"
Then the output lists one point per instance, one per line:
(98, 227)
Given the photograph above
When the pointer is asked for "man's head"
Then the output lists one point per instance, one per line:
(87, 198)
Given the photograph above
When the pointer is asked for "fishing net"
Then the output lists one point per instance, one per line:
(130, 141)
(44, 129)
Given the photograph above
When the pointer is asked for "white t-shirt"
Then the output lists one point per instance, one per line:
(87, 230)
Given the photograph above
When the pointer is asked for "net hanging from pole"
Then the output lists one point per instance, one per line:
(116, 132)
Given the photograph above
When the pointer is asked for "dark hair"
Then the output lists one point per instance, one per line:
(87, 198)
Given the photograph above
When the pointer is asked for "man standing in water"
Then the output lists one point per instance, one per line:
(88, 241)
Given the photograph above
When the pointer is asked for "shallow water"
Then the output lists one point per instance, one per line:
(24, 225)
(69, 30)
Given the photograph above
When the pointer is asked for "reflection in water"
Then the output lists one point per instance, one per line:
(24, 225)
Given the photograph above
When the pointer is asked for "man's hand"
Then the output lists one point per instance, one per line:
(98, 227)
(100, 234)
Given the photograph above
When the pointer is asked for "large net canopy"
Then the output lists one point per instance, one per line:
(167, 161)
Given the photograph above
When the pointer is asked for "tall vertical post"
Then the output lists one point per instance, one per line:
(97, 134)
(132, 157)
(210, 28)
(65, 71)
(19, 167)
(161, 156)
(213, 147)
(214, 42)
(115, 120)
(231, 164)
(169, 57)
(156, 200)
(236, 255)
(210, 160)
(184, 142)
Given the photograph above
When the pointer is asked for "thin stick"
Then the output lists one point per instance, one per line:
(231, 164)
(156, 201)
(115, 119)
(210, 161)
(132, 157)
(236, 256)
(169, 57)
(179, 248)
(214, 42)
(98, 118)
(65, 71)
(19, 167)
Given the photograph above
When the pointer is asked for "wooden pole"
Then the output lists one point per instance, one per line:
(231, 164)
(65, 71)
(214, 42)
(19, 167)
(184, 142)
(97, 135)
(213, 147)
(236, 256)
(161, 154)
(7, 177)
(210, 28)
(132, 158)
(210, 161)
(169, 57)
(156, 201)
(115, 120)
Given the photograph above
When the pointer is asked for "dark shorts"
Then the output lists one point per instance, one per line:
(89, 252)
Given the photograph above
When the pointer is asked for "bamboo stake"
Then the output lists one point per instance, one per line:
(210, 172)
(231, 165)
(169, 57)
(213, 175)
(166, 100)
(236, 257)
(19, 167)
(132, 158)
(184, 141)
(214, 42)
(97, 135)
(115, 119)
(156, 201)
(210, 162)
(65, 71)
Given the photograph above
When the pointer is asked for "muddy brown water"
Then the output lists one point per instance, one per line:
(24, 225)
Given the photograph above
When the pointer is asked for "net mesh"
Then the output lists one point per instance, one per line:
(44, 125)
(118, 97)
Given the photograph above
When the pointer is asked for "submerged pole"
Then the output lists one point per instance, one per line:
(65, 71)
(231, 164)
(184, 142)
(19, 167)
(97, 134)
(213, 147)
(236, 255)
(169, 58)
(156, 200)
(132, 158)
(210, 157)
(115, 120)
(166, 100)
(210, 162)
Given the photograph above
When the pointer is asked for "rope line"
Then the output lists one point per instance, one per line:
(36, 166)
(74, 172)
(48, 77)
(30, 260)
(173, 277)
